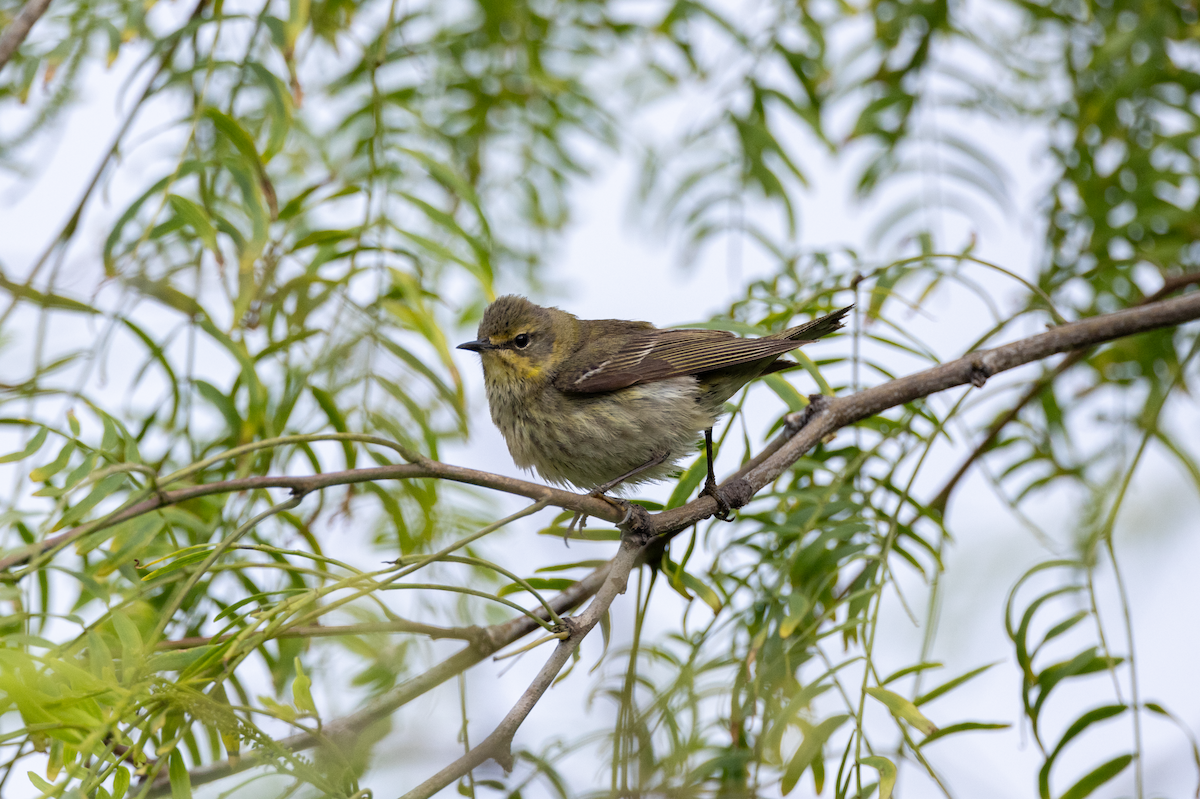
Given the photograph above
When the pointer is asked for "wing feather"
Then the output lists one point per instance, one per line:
(650, 354)
(662, 354)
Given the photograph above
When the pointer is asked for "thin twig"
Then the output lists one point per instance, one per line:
(592, 506)
(973, 369)
(803, 432)
(14, 35)
(325, 631)
(487, 641)
(498, 745)
(1169, 286)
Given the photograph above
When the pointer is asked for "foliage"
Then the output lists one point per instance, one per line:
(341, 186)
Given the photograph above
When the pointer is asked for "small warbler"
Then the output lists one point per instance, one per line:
(600, 403)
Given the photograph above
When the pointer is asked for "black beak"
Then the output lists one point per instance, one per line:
(476, 346)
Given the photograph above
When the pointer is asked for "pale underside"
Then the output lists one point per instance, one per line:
(594, 438)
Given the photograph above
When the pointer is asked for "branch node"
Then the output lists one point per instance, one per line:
(502, 753)
(571, 626)
(737, 492)
(979, 373)
(796, 421)
(481, 639)
(636, 523)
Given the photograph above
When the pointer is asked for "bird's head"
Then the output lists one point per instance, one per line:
(522, 342)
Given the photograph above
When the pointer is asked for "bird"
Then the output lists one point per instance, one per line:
(607, 403)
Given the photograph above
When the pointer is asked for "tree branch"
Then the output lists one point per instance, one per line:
(803, 431)
(345, 730)
(823, 417)
(939, 502)
(323, 631)
(498, 745)
(585, 503)
(14, 35)
(779, 455)
(974, 368)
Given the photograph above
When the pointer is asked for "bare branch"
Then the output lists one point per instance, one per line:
(763, 469)
(324, 631)
(592, 506)
(498, 745)
(974, 368)
(14, 35)
(804, 431)
(345, 730)
(1169, 286)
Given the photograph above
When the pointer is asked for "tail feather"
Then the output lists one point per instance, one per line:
(811, 331)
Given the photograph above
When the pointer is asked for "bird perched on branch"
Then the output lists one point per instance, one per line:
(608, 402)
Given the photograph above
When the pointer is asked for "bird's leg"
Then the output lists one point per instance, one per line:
(619, 504)
(600, 491)
(711, 489)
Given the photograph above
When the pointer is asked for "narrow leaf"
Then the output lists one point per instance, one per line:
(887, 774)
(903, 709)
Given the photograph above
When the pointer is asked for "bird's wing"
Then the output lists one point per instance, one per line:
(651, 355)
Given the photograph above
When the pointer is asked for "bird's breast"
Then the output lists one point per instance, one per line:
(589, 439)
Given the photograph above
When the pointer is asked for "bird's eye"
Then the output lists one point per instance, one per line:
(522, 340)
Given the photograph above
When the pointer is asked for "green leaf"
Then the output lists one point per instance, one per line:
(44, 300)
(301, 690)
(167, 294)
(44, 473)
(297, 21)
(104, 489)
(809, 750)
(539, 584)
(232, 130)
(789, 714)
(181, 783)
(131, 639)
(222, 403)
(195, 217)
(702, 590)
(1093, 716)
(120, 782)
(334, 414)
(39, 783)
(903, 709)
(194, 555)
(33, 446)
(688, 483)
(794, 400)
(950, 685)
(324, 237)
(798, 611)
(1097, 777)
(907, 670)
(278, 709)
(887, 774)
(965, 726)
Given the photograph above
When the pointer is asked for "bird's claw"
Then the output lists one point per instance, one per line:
(724, 509)
(635, 518)
(579, 518)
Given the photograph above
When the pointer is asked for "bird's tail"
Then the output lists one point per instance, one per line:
(811, 331)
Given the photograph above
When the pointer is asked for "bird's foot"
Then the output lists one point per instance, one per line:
(734, 494)
(635, 519)
(711, 489)
(579, 518)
